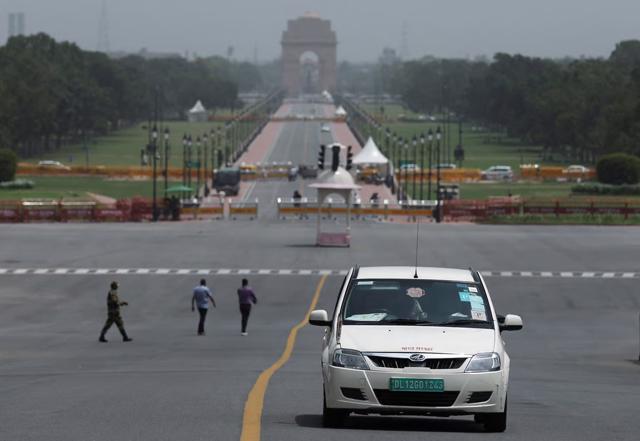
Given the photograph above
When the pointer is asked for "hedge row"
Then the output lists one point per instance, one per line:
(19, 184)
(606, 190)
(618, 169)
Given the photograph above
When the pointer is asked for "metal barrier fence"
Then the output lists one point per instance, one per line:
(136, 210)
(243, 209)
(484, 209)
(385, 210)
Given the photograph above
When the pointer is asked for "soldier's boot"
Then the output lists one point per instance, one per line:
(125, 337)
(102, 339)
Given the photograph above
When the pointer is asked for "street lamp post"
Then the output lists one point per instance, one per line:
(154, 150)
(438, 192)
(184, 162)
(415, 162)
(166, 160)
(406, 168)
(430, 137)
(189, 165)
(205, 161)
(422, 166)
(386, 143)
(199, 159)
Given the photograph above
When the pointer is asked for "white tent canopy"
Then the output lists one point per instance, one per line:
(198, 108)
(370, 154)
(341, 112)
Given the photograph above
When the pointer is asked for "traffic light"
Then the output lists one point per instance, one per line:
(349, 158)
(335, 158)
(321, 155)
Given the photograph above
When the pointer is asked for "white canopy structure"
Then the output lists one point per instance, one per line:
(370, 154)
(198, 113)
(338, 182)
(340, 112)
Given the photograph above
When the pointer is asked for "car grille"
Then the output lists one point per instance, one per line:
(431, 363)
(353, 393)
(479, 397)
(422, 399)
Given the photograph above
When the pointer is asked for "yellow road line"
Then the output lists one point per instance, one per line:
(252, 417)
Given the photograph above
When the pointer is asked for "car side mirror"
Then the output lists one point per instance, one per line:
(319, 317)
(511, 322)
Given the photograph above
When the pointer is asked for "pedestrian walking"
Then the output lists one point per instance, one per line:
(201, 297)
(113, 314)
(246, 297)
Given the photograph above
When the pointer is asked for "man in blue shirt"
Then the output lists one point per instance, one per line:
(201, 297)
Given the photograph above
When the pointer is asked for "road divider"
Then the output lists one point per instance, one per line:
(252, 417)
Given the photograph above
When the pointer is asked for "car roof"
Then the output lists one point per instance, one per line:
(407, 272)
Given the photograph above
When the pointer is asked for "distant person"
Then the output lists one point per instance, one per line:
(297, 197)
(374, 199)
(113, 314)
(246, 298)
(201, 297)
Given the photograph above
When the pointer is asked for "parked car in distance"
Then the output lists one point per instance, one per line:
(325, 128)
(497, 173)
(445, 166)
(576, 169)
(53, 164)
(409, 167)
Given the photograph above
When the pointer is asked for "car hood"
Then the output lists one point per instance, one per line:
(442, 340)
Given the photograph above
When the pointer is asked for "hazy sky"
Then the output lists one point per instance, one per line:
(449, 28)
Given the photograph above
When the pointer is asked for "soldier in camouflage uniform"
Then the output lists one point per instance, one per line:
(113, 308)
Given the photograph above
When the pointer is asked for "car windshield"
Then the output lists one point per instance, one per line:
(416, 303)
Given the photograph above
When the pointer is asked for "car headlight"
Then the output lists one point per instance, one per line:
(488, 362)
(351, 359)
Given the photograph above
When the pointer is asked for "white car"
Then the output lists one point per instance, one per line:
(325, 128)
(497, 173)
(575, 169)
(415, 341)
(53, 164)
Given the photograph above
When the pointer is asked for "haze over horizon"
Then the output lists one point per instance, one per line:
(457, 29)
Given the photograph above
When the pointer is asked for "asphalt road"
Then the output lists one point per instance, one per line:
(573, 376)
(299, 142)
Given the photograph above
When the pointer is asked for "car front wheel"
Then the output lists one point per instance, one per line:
(332, 417)
(493, 422)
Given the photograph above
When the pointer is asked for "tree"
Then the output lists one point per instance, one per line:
(8, 165)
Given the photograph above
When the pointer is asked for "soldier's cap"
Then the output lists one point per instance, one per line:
(114, 285)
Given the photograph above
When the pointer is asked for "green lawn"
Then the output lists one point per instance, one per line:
(390, 110)
(482, 190)
(482, 150)
(123, 146)
(50, 187)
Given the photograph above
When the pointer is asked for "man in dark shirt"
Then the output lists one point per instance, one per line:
(246, 297)
(201, 297)
(113, 314)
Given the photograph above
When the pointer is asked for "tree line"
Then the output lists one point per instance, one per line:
(52, 93)
(579, 109)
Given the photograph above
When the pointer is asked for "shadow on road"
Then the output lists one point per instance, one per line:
(407, 424)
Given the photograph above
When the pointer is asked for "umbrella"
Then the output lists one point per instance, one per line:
(179, 189)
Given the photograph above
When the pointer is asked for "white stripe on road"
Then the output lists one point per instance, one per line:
(294, 272)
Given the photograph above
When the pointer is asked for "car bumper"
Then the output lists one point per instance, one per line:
(458, 397)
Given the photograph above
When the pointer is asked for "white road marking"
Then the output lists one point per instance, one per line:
(294, 272)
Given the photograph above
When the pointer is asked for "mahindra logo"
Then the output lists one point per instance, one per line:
(417, 357)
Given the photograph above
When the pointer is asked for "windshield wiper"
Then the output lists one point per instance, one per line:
(465, 322)
(407, 322)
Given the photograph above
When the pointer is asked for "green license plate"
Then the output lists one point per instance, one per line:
(415, 385)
